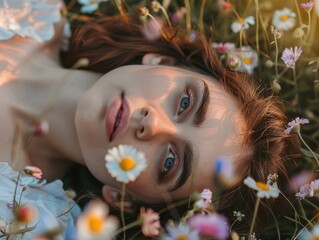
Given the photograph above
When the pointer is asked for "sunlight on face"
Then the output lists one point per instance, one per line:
(183, 121)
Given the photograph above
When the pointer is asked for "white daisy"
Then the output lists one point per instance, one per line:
(242, 23)
(125, 163)
(248, 59)
(89, 6)
(95, 223)
(264, 190)
(29, 18)
(284, 19)
(182, 231)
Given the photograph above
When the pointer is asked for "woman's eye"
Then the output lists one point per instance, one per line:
(168, 163)
(184, 103)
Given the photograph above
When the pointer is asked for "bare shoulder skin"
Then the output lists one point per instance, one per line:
(30, 78)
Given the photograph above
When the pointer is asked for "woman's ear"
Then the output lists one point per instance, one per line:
(158, 59)
(113, 198)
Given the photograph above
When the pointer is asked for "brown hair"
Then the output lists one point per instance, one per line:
(113, 42)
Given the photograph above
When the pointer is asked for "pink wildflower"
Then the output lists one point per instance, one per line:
(151, 223)
(233, 62)
(307, 5)
(300, 179)
(33, 171)
(290, 56)
(223, 5)
(40, 129)
(26, 213)
(309, 190)
(212, 225)
(152, 30)
(295, 123)
(205, 200)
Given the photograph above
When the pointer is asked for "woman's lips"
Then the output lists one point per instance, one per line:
(117, 117)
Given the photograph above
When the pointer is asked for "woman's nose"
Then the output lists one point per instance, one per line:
(153, 123)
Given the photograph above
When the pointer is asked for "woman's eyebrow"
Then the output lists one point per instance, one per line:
(201, 112)
(186, 168)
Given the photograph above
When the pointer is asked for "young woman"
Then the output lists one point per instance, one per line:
(173, 101)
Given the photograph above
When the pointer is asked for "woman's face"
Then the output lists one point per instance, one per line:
(183, 121)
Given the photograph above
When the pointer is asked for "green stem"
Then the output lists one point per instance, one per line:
(119, 5)
(188, 15)
(122, 211)
(201, 17)
(166, 16)
(298, 12)
(257, 24)
(296, 85)
(276, 57)
(15, 193)
(128, 226)
(254, 218)
(309, 25)
(303, 141)
(241, 37)
(159, 26)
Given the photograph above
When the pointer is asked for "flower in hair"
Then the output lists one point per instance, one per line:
(264, 190)
(241, 23)
(95, 223)
(284, 19)
(290, 56)
(125, 163)
(89, 6)
(211, 225)
(30, 19)
(295, 124)
(182, 231)
(151, 223)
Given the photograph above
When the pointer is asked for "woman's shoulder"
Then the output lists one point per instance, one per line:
(30, 26)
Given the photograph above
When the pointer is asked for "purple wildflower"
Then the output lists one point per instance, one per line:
(296, 123)
(309, 190)
(290, 56)
(307, 5)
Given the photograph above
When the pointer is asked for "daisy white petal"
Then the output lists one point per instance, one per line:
(264, 190)
(125, 163)
(284, 19)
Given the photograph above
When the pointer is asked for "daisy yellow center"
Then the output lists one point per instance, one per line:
(247, 61)
(284, 18)
(127, 163)
(183, 237)
(95, 223)
(262, 186)
(240, 20)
